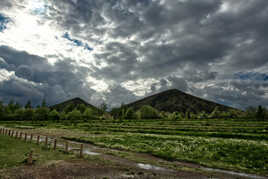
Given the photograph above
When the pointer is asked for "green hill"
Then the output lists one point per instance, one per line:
(72, 104)
(174, 100)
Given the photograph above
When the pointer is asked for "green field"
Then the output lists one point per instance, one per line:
(226, 144)
(13, 152)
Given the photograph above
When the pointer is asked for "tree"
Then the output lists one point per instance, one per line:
(81, 107)
(69, 108)
(17, 106)
(11, 107)
(28, 104)
(20, 114)
(44, 104)
(54, 115)
(74, 116)
(29, 114)
(130, 114)
(148, 112)
(88, 114)
(260, 115)
(103, 108)
(63, 116)
(2, 110)
(42, 113)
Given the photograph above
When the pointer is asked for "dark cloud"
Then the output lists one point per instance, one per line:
(194, 46)
(4, 4)
(36, 79)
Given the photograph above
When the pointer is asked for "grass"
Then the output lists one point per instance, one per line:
(228, 144)
(233, 154)
(13, 152)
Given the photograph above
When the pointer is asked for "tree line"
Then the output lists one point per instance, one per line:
(74, 113)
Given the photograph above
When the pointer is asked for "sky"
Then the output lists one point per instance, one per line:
(118, 51)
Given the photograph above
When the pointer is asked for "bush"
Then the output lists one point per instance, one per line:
(148, 112)
(130, 114)
(41, 114)
(54, 115)
(88, 114)
(74, 116)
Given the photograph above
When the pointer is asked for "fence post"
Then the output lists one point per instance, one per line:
(66, 146)
(81, 150)
(55, 144)
(46, 141)
(9, 132)
(25, 137)
(20, 135)
(16, 135)
(1, 131)
(31, 138)
(38, 137)
(30, 158)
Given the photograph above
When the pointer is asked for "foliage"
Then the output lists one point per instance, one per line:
(148, 112)
(54, 115)
(42, 113)
(103, 108)
(74, 116)
(28, 104)
(260, 114)
(89, 113)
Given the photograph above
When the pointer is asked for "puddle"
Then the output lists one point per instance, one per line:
(88, 152)
(60, 145)
(234, 173)
(127, 176)
(151, 167)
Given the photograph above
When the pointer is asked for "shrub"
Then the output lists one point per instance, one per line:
(54, 115)
(88, 114)
(148, 112)
(74, 116)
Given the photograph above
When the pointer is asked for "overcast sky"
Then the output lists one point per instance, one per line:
(118, 51)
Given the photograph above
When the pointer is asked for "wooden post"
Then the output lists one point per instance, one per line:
(12, 133)
(81, 150)
(30, 158)
(25, 137)
(1, 131)
(8, 132)
(55, 144)
(31, 138)
(38, 137)
(46, 141)
(20, 135)
(16, 135)
(66, 146)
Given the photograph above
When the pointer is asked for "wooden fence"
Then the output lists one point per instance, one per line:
(38, 139)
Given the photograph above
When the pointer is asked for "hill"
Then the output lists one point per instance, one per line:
(72, 104)
(174, 100)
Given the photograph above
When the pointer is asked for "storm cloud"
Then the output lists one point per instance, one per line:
(137, 48)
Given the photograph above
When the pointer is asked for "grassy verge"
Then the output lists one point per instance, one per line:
(13, 152)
